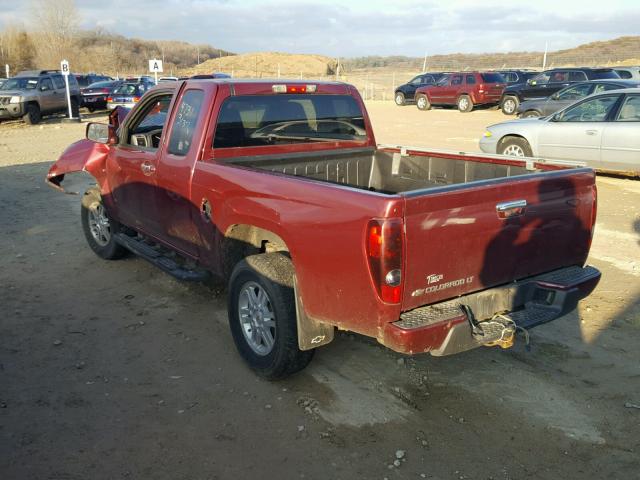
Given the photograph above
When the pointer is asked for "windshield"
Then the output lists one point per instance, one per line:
(253, 120)
(127, 89)
(22, 83)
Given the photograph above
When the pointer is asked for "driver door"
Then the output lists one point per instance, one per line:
(133, 163)
(576, 133)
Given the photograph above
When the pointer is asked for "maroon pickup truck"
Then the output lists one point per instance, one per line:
(279, 190)
(462, 89)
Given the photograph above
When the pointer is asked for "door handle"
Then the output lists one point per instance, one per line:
(591, 132)
(511, 209)
(147, 168)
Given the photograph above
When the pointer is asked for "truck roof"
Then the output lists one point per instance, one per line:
(263, 86)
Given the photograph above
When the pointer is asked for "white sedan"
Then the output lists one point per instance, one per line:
(602, 130)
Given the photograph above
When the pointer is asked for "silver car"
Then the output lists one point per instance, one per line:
(602, 130)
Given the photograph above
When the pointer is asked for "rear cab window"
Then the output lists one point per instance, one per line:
(259, 120)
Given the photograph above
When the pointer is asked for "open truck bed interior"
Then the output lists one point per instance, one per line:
(386, 171)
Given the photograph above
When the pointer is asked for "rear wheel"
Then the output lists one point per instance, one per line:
(400, 100)
(422, 102)
(530, 114)
(262, 316)
(32, 115)
(465, 104)
(515, 147)
(509, 105)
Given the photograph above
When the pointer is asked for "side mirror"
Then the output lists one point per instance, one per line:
(556, 117)
(101, 133)
(531, 82)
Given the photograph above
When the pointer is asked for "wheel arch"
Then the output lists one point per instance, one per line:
(508, 136)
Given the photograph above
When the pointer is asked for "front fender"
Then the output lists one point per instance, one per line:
(83, 155)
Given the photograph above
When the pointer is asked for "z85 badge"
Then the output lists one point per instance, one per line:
(433, 284)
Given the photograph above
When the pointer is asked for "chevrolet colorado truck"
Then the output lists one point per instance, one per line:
(279, 189)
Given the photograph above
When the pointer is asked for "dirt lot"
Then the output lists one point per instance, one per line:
(114, 370)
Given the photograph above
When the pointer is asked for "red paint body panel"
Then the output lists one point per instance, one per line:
(450, 231)
(481, 92)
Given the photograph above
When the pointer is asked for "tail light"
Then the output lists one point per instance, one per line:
(385, 255)
(294, 88)
(594, 211)
(136, 99)
(109, 99)
(481, 88)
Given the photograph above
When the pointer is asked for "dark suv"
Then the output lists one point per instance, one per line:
(84, 80)
(34, 93)
(549, 82)
(406, 93)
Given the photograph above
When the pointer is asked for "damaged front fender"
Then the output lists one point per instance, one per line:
(83, 155)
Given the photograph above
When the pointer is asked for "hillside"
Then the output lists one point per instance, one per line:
(619, 51)
(267, 64)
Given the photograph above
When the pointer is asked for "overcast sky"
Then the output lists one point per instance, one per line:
(358, 27)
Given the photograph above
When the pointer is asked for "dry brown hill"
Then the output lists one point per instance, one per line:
(268, 64)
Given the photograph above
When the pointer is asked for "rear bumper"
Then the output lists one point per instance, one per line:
(443, 329)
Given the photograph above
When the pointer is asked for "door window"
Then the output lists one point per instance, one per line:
(594, 110)
(185, 122)
(577, 77)
(456, 80)
(603, 87)
(624, 73)
(45, 84)
(559, 77)
(146, 131)
(471, 79)
(58, 81)
(630, 111)
(416, 81)
(575, 93)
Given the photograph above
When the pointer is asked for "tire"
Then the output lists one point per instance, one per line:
(422, 102)
(98, 229)
(261, 287)
(400, 100)
(91, 109)
(530, 114)
(32, 116)
(465, 104)
(509, 105)
(515, 146)
(75, 108)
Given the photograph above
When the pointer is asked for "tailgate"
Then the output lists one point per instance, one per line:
(464, 238)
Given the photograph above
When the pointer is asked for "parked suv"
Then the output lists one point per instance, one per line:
(549, 82)
(406, 93)
(84, 80)
(632, 73)
(464, 89)
(34, 93)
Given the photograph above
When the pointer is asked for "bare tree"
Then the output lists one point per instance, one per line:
(16, 50)
(56, 23)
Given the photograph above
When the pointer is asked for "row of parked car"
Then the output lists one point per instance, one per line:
(34, 93)
(506, 88)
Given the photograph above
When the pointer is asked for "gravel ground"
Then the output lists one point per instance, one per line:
(114, 370)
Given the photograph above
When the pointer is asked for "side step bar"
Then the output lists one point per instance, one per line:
(161, 260)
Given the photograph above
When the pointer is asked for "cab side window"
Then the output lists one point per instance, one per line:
(58, 81)
(471, 80)
(45, 84)
(185, 122)
(630, 111)
(456, 80)
(147, 130)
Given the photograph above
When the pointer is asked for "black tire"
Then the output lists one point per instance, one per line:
(273, 273)
(464, 103)
(399, 99)
(509, 145)
(32, 114)
(422, 102)
(75, 108)
(509, 105)
(106, 248)
(91, 109)
(530, 114)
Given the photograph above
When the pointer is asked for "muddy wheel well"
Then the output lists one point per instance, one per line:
(240, 241)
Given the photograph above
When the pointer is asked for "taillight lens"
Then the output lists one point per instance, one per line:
(136, 99)
(385, 255)
(109, 99)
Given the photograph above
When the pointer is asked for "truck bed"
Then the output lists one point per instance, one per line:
(388, 171)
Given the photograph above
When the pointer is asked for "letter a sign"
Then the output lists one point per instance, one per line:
(155, 66)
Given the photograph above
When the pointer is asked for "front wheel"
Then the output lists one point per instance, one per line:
(530, 114)
(515, 147)
(400, 100)
(99, 229)
(32, 114)
(509, 105)
(422, 102)
(262, 316)
(465, 104)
